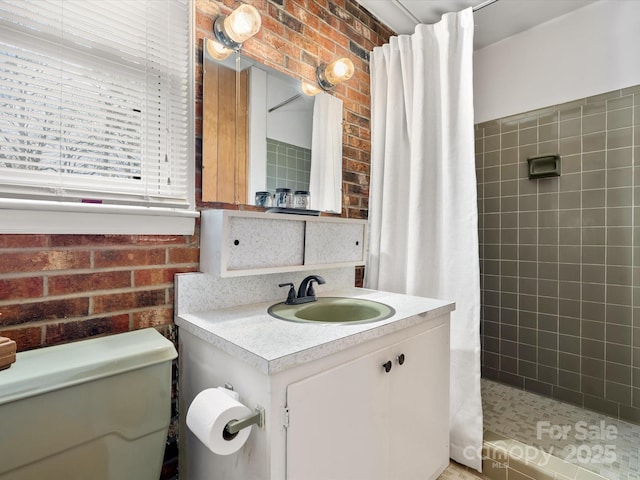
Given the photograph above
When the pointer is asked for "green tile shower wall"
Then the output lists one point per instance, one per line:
(560, 257)
(288, 166)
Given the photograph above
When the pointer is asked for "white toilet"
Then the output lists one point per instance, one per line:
(96, 409)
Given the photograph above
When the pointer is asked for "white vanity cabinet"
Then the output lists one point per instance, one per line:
(239, 243)
(383, 415)
(332, 411)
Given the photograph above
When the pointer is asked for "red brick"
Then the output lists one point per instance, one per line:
(207, 7)
(359, 277)
(118, 258)
(355, 166)
(17, 288)
(26, 338)
(184, 255)
(359, 143)
(261, 51)
(282, 45)
(310, 21)
(353, 153)
(158, 276)
(64, 332)
(357, 96)
(356, 178)
(89, 240)
(127, 301)
(300, 69)
(153, 317)
(205, 22)
(354, 189)
(365, 133)
(272, 25)
(302, 43)
(12, 262)
(356, 213)
(23, 241)
(21, 313)
(63, 284)
(357, 119)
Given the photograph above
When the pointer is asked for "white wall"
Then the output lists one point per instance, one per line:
(257, 132)
(590, 51)
(291, 123)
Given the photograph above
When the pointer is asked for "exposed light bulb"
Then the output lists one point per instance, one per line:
(217, 50)
(339, 71)
(309, 89)
(243, 23)
(336, 72)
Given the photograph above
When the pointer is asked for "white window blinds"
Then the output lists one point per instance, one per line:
(94, 101)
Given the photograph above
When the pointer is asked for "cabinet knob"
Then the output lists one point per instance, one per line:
(236, 242)
(400, 358)
(387, 366)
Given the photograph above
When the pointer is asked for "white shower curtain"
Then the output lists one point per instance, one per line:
(325, 179)
(423, 211)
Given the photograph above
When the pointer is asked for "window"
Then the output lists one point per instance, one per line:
(96, 114)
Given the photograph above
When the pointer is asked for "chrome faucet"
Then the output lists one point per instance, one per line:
(306, 293)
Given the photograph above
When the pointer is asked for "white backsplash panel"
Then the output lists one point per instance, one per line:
(197, 292)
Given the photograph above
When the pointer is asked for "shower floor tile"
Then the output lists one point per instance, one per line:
(591, 440)
(456, 471)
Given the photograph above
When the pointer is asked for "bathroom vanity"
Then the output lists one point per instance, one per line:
(342, 401)
(332, 408)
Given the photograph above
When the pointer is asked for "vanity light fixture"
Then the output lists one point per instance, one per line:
(233, 30)
(336, 72)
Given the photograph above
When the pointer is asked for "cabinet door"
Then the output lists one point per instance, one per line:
(419, 406)
(338, 422)
(254, 243)
(329, 242)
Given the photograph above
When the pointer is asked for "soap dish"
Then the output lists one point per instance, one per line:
(7, 352)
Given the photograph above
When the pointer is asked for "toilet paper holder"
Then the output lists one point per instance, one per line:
(234, 426)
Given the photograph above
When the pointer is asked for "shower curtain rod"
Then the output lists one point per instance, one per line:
(408, 13)
(286, 102)
(483, 4)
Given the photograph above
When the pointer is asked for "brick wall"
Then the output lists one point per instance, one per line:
(296, 36)
(60, 288)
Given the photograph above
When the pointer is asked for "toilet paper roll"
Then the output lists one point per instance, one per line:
(210, 412)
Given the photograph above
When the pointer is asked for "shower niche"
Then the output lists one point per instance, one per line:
(543, 166)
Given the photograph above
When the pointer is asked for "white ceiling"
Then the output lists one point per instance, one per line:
(497, 20)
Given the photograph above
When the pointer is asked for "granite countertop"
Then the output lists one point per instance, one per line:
(271, 345)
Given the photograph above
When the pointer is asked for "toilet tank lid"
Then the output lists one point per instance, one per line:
(52, 368)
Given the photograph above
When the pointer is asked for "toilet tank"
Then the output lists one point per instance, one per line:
(94, 409)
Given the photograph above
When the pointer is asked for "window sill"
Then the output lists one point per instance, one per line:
(37, 217)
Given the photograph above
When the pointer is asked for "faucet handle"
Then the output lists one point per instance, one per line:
(291, 296)
(310, 290)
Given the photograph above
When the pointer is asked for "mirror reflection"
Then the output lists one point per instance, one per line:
(262, 133)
